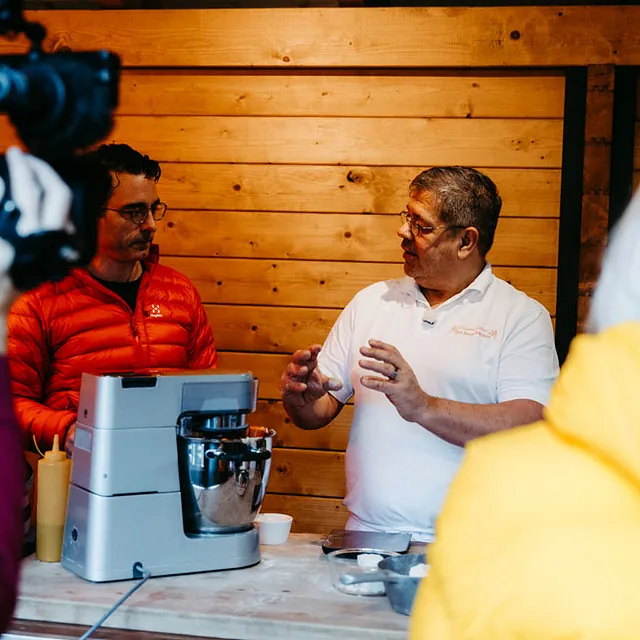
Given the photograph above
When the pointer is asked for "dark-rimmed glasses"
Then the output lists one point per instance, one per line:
(418, 229)
(138, 213)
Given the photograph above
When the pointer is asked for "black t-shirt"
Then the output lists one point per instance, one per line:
(128, 291)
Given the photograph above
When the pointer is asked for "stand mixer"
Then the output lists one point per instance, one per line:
(165, 475)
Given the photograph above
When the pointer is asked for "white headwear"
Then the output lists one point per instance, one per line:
(617, 295)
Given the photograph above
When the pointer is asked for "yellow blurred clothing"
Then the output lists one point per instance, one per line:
(539, 537)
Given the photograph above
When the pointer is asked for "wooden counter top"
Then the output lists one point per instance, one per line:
(288, 595)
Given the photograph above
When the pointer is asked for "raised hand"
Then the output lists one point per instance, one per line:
(398, 381)
(302, 382)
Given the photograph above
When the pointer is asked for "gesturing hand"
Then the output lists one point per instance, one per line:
(399, 383)
(302, 383)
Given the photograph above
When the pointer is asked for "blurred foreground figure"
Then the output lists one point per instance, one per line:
(44, 201)
(539, 535)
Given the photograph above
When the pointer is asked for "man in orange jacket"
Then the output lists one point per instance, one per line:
(124, 312)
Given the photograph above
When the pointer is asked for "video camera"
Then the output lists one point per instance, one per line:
(60, 104)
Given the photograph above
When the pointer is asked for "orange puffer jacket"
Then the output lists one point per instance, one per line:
(61, 330)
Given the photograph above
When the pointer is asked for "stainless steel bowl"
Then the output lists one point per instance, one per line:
(402, 592)
(222, 481)
(394, 573)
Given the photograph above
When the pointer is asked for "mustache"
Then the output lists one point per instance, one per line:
(407, 246)
(145, 236)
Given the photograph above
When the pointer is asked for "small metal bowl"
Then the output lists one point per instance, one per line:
(402, 593)
(345, 561)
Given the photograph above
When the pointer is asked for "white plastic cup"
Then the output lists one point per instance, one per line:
(274, 527)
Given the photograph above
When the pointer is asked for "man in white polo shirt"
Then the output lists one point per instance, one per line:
(444, 355)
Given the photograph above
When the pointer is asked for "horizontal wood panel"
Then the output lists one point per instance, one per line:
(352, 37)
(272, 329)
(333, 437)
(310, 515)
(266, 367)
(299, 283)
(269, 329)
(294, 283)
(332, 189)
(378, 141)
(335, 237)
(337, 189)
(375, 141)
(331, 93)
(307, 472)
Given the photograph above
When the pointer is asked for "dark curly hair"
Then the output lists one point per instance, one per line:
(121, 158)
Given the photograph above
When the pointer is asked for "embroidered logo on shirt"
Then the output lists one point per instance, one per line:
(474, 331)
(155, 311)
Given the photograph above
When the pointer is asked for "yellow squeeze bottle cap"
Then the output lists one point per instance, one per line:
(55, 454)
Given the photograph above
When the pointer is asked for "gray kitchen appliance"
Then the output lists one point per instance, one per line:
(166, 475)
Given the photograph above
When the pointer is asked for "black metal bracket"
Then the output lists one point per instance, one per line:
(573, 144)
(623, 138)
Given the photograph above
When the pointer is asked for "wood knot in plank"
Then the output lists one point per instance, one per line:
(58, 44)
(283, 469)
(362, 176)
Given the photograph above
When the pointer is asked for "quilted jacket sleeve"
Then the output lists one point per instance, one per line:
(202, 348)
(28, 351)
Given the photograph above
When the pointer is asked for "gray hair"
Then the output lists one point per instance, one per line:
(464, 197)
(617, 296)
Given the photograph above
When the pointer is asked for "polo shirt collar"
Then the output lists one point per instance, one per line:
(483, 280)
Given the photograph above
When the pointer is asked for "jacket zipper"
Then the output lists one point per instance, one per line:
(143, 288)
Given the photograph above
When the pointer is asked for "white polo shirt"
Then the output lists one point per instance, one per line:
(490, 343)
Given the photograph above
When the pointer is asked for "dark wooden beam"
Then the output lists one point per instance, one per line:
(35, 629)
(570, 210)
(596, 186)
(625, 103)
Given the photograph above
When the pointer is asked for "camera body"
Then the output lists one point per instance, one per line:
(60, 104)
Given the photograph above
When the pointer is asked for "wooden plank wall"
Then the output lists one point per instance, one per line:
(284, 187)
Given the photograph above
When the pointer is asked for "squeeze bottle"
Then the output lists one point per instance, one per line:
(53, 489)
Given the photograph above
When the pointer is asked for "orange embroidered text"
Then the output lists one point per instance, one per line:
(474, 331)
